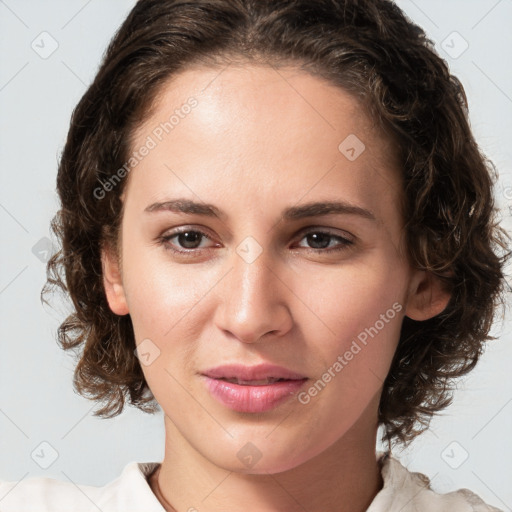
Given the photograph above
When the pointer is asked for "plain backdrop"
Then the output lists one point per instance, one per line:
(50, 52)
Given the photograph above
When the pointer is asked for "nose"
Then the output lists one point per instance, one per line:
(253, 300)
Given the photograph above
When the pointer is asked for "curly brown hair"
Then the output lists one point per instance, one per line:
(369, 49)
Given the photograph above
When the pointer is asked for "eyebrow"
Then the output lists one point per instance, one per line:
(312, 209)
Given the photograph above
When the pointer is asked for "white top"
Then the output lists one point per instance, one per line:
(403, 491)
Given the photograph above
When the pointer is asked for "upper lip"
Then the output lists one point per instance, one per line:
(258, 372)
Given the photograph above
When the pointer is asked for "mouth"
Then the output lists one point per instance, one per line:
(262, 372)
(260, 382)
(253, 389)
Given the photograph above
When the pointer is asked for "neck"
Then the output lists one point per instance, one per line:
(344, 478)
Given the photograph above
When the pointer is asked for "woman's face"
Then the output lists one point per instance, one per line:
(287, 204)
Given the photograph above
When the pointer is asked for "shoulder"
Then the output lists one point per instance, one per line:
(129, 491)
(408, 491)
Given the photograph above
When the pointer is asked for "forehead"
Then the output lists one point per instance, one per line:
(243, 98)
(260, 127)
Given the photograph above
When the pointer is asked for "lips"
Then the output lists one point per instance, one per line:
(261, 382)
(252, 373)
(252, 388)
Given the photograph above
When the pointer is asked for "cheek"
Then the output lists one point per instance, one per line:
(160, 299)
(163, 300)
(359, 311)
(353, 297)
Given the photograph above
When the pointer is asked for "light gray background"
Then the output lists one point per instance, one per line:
(37, 401)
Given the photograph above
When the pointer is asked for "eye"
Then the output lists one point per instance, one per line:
(322, 241)
(187, 240)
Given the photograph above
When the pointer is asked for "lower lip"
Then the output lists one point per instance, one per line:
(252, 398)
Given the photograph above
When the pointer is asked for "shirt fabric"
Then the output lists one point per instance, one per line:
(403, 491)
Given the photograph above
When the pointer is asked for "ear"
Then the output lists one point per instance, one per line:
(427, 296)
(113, 283)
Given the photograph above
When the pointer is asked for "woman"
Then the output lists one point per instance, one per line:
(277, 226)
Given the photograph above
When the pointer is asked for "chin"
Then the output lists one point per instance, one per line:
(260, 456)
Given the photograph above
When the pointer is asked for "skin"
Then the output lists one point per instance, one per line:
(261, 140)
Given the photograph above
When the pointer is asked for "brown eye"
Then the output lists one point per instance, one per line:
(189, 239)
(325, 241)
(185, 241)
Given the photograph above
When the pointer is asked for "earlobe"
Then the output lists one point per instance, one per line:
(113, 284)
(427, 297)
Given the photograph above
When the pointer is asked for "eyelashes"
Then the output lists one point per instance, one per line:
(321, 238)
(343, 242)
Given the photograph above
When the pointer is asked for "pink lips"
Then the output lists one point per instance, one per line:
(252, 388)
